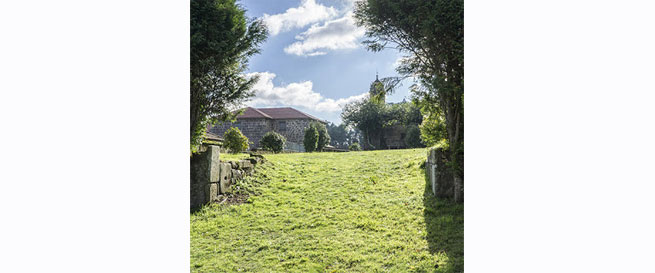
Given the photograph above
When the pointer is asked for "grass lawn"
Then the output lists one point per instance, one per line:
(366, 211)
(234, 157)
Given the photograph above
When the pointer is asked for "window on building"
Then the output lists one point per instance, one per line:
(282, 125)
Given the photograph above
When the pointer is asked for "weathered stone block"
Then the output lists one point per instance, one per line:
(440, 176)
(204, 170)
(245, 165)
(214, 190)
(226, 178)
(236, 175)
(213, 155)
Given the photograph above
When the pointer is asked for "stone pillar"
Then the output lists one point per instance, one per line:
(205, 176)
(440, 175)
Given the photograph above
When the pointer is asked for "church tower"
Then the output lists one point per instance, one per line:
(377, 90)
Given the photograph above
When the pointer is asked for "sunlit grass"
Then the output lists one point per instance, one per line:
(332, 212)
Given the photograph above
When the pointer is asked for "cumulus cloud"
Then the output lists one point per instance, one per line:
(341, 33)
(307, 13)
(299, 94)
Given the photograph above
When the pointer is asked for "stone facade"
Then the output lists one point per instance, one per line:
(254, 129)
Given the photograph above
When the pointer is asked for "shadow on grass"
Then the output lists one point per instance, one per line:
(444, 221)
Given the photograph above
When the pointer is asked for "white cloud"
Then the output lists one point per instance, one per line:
(307, 13)
(299, 94)
(341, 33)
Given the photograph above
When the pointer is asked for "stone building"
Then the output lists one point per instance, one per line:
(255, 122)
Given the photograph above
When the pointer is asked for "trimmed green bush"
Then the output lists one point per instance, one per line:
(273, 141)
(311, 139)
(235, 141)
(355, 147)
(323, 136)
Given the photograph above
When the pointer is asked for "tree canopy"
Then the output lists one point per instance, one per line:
(222, 41)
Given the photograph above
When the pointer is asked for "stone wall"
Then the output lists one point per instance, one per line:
(211, 177)
(295, 129)
(440, 176)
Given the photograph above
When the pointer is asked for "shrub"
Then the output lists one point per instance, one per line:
(311, 139)
(355, 147)
(413, 137)
(273, 141)
(235, 141)
(323, 136)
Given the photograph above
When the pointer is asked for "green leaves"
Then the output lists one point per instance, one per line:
(222, 40)
(235, 141)
(311, 139)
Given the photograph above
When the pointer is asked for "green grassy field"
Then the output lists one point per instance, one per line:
(332, 212)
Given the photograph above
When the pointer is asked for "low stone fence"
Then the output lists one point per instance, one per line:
(440, 176)
(211, 177)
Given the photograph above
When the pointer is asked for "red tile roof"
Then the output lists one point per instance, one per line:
(276, 113)
(253, 113)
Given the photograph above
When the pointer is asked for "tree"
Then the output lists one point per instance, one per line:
(431, 34)
(367, 116)
(311, 139)
(273, 141)
(323, 136)
(413, 137)
(342, 136)
(222, 41)
(235, 141)
(355, 147)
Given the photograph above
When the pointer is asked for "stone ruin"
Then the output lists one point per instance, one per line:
(211, 177)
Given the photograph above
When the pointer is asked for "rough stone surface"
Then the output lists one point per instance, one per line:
(204, 168)
(254, 129)
(245, 165)
(214, 191)
(226, 177)
(441, 178)
(213, 155)
(210, 177)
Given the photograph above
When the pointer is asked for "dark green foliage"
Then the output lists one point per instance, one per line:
(431, 34)
(371, 117)
(235, 141)
(222, 40)
(413, 137)
(273, 141)
(342, 136)
(323, 136)
(355, 147)
(311, 139)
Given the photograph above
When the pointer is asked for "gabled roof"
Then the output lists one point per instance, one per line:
(276, 113)
(253, 113)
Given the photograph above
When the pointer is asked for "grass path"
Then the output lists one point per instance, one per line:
(332, 212)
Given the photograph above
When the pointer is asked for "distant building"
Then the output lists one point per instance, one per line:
(392, 137)
(255, 122)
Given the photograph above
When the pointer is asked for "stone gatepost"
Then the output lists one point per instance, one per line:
(440, 176)
(205, 176)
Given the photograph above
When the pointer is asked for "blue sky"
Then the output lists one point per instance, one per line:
(313, 59)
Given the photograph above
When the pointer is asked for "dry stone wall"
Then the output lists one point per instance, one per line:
(211, 177)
